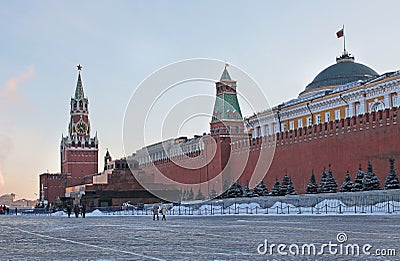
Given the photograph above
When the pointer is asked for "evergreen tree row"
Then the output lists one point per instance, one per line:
(236, 190)
(363, 181)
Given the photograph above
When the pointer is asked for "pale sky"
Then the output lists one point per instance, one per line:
(283, 45)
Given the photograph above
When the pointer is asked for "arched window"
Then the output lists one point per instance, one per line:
(377, 106)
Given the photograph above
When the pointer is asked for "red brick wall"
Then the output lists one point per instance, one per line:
(53, 185)
(80, 165)
(344, 144)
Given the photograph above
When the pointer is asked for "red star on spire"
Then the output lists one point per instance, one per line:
(79, 67)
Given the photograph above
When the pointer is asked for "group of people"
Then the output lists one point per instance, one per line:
(4, 210)
(156, 210)
(77, 210)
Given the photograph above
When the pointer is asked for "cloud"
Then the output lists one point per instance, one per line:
(9, 92)
(11, 97)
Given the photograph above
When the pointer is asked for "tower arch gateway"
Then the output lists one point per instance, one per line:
(78, 149)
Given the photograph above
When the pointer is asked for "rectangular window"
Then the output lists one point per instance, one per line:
(347, 112)
(395, 102)
(317, 119)
(300, 123)
(327, 116)
(309, 121)
(291, 125)
(283, 126)
(337, 114)
(358, 109)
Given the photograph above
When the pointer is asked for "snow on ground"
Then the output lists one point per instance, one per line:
(331, 203)
(326, 206)
(95, 213)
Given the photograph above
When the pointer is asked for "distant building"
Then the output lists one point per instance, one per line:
(10, 200)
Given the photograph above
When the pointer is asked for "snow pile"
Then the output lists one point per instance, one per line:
(95, 213)
(391, 203)
(281, 205)
(58, 214)
(332, 203)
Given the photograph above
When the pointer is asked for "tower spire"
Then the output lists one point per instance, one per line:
(79, 94)
(225, 75)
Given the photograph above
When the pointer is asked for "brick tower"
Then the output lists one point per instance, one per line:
(79, 151)
(226, 126)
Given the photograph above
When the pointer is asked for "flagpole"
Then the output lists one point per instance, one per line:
(344, 41)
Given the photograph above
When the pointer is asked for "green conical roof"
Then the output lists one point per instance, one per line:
(225, 76)
(79, 94)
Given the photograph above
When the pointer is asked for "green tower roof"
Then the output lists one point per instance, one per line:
(79, 94)
(225, 75)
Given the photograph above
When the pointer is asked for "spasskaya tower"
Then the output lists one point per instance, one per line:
(79, 151)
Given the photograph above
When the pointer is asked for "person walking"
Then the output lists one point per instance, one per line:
(16, 211)
(83, 211)
(69, 210)
(76, 211)
(155, 212)
(164, 212)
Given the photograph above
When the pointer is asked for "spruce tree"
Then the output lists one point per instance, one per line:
(199, 195)
(358, 180)
(347, 184)
(185, 194)
(190, 195)
(392, 181)
(323, 183)
(290, 188)
(261, 189)
(370, 180)
(276, 189)
(246, 191)
(285, 184)
(235, 190)
(312, 186)
(331, 184)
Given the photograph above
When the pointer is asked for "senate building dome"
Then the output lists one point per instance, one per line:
(345, 70)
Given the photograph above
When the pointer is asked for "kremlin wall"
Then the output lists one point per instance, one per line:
(345, 117)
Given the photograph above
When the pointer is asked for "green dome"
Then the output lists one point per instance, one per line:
(344, 71)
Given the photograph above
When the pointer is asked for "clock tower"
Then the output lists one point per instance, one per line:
(79, 151)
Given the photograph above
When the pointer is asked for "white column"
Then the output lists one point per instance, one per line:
(263, 130)
(386, 100)
(351, 109)
(255, 132)
(362, 105)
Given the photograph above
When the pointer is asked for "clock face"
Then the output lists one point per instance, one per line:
(81, 127)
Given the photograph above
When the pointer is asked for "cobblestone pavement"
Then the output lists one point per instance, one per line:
(191, 237)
